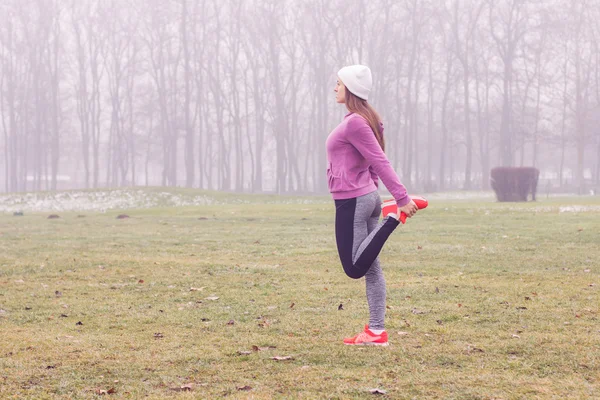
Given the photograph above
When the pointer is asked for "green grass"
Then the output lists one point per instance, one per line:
(493, 301)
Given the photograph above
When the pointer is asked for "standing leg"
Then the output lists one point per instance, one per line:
(375, 282)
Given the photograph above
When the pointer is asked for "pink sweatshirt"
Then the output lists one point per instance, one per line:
(356, 160)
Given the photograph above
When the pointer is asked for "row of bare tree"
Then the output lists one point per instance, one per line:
(238, 94)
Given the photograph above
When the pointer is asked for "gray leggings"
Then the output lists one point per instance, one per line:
(360, 237)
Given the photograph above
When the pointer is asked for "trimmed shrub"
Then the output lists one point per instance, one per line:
(514, 183)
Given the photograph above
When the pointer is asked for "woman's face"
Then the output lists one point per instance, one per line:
(340, 92)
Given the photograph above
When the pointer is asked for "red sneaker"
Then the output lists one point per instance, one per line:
(368, 338)
(390, 206)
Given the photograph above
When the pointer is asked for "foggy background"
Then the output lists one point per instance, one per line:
(238, 94)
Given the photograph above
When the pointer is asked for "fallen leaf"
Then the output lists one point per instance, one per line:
(244, 388)
(437, 289)
(256, 348)
(587, 270)
(141, 281)
(282, 358)
(122, 216)
(292, 305)
(340, 307)
(244, 353)
(440, 322)
(100, 392)
(419, 248)
(527, 298)
(417, 311)
(213, 298)
(58, 294)
(111, 391)
(231, 322)
(471, 348)
(53, 216)
(51, 367)
(377, 391)
(79, 323)
(402, 333)
(516, 336)
(63, 315)
(158, 335)
(521, 308)
(193, 289)
(188, 387)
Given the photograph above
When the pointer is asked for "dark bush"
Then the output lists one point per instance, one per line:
(514, 183)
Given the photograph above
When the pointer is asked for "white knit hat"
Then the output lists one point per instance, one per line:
(357, 79)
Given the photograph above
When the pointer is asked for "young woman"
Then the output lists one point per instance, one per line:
(355, 151)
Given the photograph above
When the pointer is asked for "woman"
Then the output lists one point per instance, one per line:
(355, 151)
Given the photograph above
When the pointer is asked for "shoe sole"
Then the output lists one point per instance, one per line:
(368, 344)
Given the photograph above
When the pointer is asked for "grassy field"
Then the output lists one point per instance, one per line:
(247, 299)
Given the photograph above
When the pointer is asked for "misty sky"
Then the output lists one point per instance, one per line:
(238, 94)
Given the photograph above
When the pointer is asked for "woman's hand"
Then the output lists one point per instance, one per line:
(410, 209)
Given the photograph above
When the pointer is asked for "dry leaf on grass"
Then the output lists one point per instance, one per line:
(256, 348)
(158, 335)
(282, 358)
(102, 392)
(377, 391)
(213, 298)
(471, 348)
(195, 289)
(188, 387)
(244, 388)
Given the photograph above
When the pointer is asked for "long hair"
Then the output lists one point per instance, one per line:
(361, 107)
